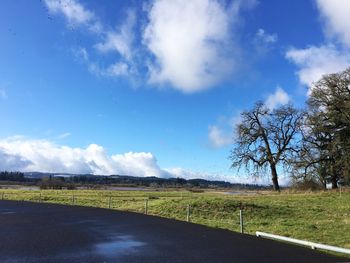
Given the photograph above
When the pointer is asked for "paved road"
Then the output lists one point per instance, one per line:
(32, 232)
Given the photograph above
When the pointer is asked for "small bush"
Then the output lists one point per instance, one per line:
(153, 197)
(195, 190)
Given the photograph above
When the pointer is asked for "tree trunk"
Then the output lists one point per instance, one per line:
(334, 178)
(276, 186)
(334, 182)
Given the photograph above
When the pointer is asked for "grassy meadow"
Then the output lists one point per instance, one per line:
(322, 217)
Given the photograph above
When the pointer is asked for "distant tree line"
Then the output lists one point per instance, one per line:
(12, 176)
(312, 145)
(72, 181)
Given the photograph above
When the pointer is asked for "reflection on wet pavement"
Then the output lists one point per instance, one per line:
(6, 212)
(118, 245)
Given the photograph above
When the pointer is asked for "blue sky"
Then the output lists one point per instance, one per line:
(154, 87)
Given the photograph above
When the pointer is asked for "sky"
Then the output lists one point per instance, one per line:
(154, 87)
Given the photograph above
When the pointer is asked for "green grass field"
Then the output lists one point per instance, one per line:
(322, 217)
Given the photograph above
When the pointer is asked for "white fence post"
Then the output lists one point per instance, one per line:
(146, 206)
(110, 202)
(241, 220)
(188, 213)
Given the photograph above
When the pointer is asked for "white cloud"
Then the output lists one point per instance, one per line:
(280, 97)
(12, 162)
(117, 69)
(221, 134)
(192, 42)
(138, 164)
(114, 70)
(335, 14)
(74, 12)
(218, 137)
(190, 45)
(262, 36)
(19, 153)
(42, 155)
(120, 40)
(264, 42)
(3, 94)
(313, 62)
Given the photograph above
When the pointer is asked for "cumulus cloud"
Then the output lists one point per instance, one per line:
(335, 14)
(280, 97)
(19, 153)
(46, 156)
(191, 42)
(315, 61)
(191, 45)
(141, 164)
(12, 162)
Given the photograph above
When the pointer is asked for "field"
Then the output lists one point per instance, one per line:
(322, 217)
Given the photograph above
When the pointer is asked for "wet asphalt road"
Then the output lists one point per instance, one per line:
(33, 232)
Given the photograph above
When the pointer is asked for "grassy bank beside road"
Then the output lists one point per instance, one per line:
(322, 217)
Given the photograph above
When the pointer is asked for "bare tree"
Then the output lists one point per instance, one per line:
(266, 138)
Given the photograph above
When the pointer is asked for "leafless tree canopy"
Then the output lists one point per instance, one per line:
(266, 138)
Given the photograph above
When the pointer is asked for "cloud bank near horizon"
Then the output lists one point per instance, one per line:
(19, 153)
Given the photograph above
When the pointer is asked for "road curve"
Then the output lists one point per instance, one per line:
(33, 232)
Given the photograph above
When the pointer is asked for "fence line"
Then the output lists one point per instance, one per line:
(144, 203)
